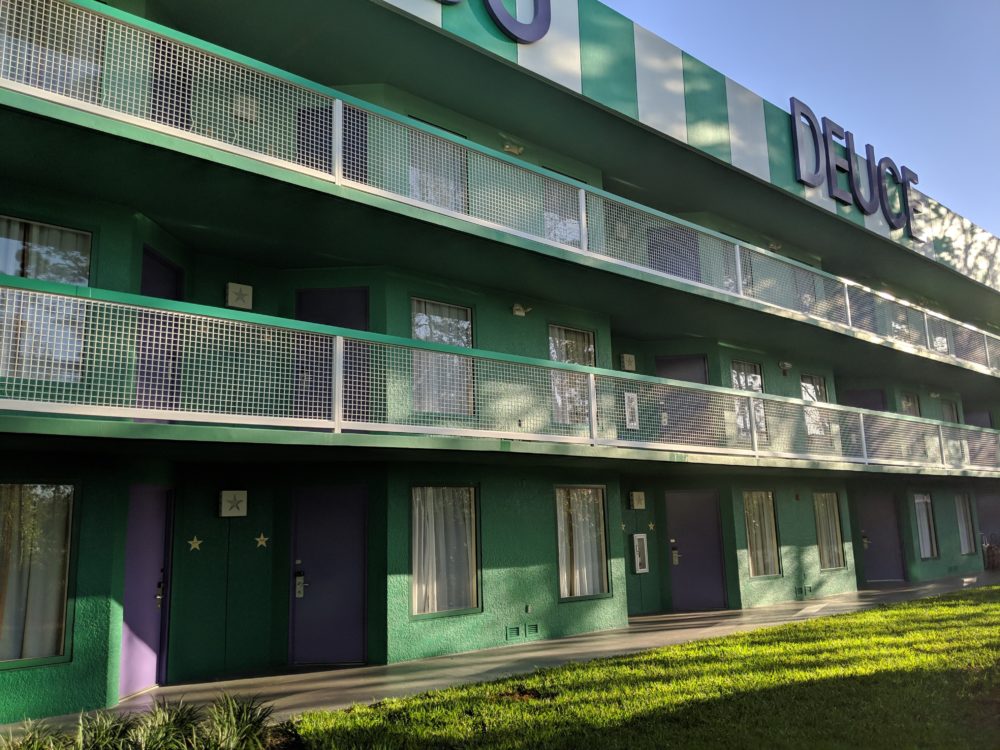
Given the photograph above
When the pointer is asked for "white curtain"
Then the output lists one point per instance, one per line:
(444, 575)
(57, 254)
(762, 534)
(438, 172)
(828, 534)
(442, 383)
(11, 246)
(34, 555)
(570, 390)
(966, 532)
(583, 568)
(925, 526)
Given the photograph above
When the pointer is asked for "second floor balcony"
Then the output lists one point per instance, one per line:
(110, 356)
(101, 64)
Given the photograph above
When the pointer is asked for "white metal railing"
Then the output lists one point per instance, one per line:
(95, 62)
(64, 354)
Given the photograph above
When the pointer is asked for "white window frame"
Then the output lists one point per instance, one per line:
(927, 542)
(836, 531)
(416, 585)
(966, 524)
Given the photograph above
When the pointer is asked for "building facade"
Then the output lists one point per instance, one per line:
(360, 332)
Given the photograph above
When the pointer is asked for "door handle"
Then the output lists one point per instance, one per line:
(300, 584)
(159, 594)
(675, 556)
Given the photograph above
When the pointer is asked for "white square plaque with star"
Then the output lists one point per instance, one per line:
(233, 503)
(239, 296)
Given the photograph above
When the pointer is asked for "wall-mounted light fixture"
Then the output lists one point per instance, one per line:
(785, 366)
(520, 310)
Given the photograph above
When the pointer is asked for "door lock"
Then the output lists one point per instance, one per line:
(300, 584)
(675, 556)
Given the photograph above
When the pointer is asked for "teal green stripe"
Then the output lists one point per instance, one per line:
(607, 58)
(471, 21)
(707, 109)
(780, 155)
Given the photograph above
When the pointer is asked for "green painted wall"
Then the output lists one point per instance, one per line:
(707, 110)
(607, 57)
(519, 561)
(801, 577)
(949, 561)
(89, 678)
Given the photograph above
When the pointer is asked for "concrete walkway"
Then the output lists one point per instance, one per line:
(294, 693)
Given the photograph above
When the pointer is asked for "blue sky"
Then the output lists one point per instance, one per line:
(918, 79)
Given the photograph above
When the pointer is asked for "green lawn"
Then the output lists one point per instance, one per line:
(924, 674)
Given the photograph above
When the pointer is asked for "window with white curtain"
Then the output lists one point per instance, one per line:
(828, 534)
(442, 383)
(748, 376)
(35, 528)
(571, 390)
(926, 533)
(43, 251)
(583, 556)
(762, 534)
(966, 529)
(814, 390)
(444, 574)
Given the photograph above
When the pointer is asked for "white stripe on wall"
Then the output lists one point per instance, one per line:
(557, 56)
(425, 10)
(660, 84)
(747, 132)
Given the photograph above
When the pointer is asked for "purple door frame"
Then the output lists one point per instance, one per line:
(697, 581)
(329, 552)
(145, 595)
(878, 521)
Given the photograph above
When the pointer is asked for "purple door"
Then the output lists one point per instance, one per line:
(145, 564)
(328, 576)
(694, 555)
(879, 524)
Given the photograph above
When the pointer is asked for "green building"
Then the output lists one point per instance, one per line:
(355, 332)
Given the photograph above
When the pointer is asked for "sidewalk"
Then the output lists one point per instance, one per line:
(331, 689)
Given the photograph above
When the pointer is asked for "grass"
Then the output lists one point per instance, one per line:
(924, 674)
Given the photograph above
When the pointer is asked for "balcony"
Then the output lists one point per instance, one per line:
(105, 355)
(103, 64)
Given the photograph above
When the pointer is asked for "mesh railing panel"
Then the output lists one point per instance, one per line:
(69, 51)
(630, 235)
(642, 412)
(900, 441)
(392, 157)
(62, 353)
(62, 350)
(769, 279)
(400, 388)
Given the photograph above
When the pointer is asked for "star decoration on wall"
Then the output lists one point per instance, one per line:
(235, 503)
(262, 540)
(240, 296)
(652, 526)
(195, 543)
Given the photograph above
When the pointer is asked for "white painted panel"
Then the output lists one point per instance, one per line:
(557, 56)
(747, 131)
(660, 84)
(425, 10)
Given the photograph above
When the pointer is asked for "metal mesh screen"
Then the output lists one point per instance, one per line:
(68, 51)
(132, 361)
(769, 279)
(394, 158)
(405, 389)
(630, 235)
(898, 441)
(969, 447)
(792, 429)
(640, 412)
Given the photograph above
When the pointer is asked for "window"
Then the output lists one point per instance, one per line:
(583, 561)
(762, 534)
(926, 534)
(909, 404)
(570, 390)
(438, 172)
(949, 411)
(35, 527)
(445, 563)
(817, 420)
(828, 534)
(41, 251)
(442, 383)
(47, 333)
(966, 532)
(747, 376)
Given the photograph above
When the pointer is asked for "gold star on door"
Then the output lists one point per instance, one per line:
(262, 540)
